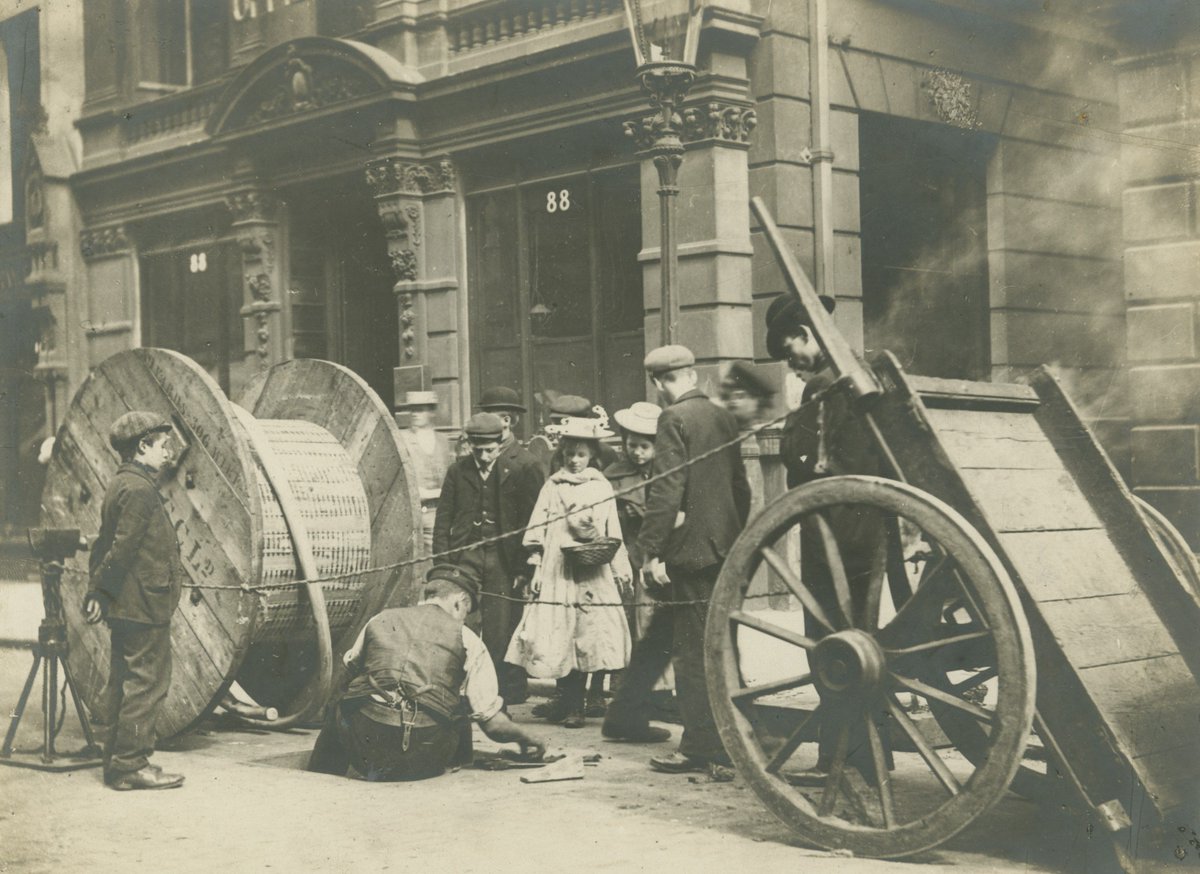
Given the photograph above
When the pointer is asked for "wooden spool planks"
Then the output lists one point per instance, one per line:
(1072, 563)
(217, 522)
(219, 519)
(338, 400)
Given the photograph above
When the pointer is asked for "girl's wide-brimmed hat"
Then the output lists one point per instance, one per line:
(640, 418)
(418, 399)
(580, 428)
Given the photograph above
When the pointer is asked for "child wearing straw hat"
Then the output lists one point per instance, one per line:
(560, 636)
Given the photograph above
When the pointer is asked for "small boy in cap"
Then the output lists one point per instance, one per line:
(135, 583)
(419, 676)
(487, 493)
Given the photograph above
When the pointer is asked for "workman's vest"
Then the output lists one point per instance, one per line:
(418, 652)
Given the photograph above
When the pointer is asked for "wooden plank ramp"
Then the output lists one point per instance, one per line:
(1100, 592)
(1086, 565)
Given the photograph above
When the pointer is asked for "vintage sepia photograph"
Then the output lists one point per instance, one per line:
(646, 435)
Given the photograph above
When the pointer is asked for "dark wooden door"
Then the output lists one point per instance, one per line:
(556, 290)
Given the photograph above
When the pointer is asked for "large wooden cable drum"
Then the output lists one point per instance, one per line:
(308, 480)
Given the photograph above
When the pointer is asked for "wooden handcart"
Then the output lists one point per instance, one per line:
(1020, 620)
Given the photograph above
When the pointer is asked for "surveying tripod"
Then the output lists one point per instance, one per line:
(51, 546)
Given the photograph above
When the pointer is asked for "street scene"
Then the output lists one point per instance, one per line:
(612, 433)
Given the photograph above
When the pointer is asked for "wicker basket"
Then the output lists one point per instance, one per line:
(596, 552)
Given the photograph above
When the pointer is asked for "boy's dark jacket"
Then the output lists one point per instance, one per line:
(713, 493)
(520, 482)
(135, 564)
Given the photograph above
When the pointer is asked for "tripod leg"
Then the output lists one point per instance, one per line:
(51, 708)
(84, 721)
(7, 749)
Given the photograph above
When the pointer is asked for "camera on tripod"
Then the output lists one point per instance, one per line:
(51, 546)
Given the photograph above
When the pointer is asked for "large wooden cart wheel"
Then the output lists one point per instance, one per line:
(824, 714)
(1178, 549)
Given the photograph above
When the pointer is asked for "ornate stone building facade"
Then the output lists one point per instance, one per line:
(441, 194)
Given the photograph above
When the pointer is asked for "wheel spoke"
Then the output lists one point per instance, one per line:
(938, 643)
(883, 778)
(923, 608)
(837, 570)
(870, 617)
(803, 595)
(898, 584)
(832, 784)
(971, 682)
(749, 693)
(943, 697)
(948, 780)
(772, 630)
(791, 744)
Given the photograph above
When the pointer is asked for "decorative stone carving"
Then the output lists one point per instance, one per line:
(392, 175)
(408, 326)
(412, 213)
(43, 257)
(35, 196)
(303, 86)
(404, 264)
(251, 205)
(98, 242)
(718, 121)
(951, 97)
(259, 286)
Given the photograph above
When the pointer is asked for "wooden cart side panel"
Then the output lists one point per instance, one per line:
(1064, 703)
(1089, 596)
(1114, 504)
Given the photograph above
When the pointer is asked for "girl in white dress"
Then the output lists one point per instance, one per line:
(560, 636)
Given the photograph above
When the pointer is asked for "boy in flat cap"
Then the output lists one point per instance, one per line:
(135, 582)
(692, 518)
(487, 493)
(418, 675)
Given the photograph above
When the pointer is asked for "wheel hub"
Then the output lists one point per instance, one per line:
(848, 663)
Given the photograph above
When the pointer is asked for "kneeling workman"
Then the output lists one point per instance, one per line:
(403, 716)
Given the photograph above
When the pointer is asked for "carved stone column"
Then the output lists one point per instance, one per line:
(418, 207)
(256, 227)
(112, 300)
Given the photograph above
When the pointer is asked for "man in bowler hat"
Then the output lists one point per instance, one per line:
(490, 492)
(692, 517)
(135, 582)
(419, 677)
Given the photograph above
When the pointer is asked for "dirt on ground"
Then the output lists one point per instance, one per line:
(247, 805)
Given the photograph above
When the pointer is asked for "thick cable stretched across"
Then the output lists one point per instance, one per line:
(260, 590)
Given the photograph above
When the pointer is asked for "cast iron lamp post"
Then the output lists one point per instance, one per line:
(665, 81)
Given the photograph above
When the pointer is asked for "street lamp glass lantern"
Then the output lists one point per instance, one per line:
(664, 31)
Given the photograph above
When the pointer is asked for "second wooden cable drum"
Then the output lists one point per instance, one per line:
(307, 478)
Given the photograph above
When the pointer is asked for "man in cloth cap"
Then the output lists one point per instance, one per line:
(488, 493)
(135, 583)
(430, 452)
(692, 517)
(419, 675)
